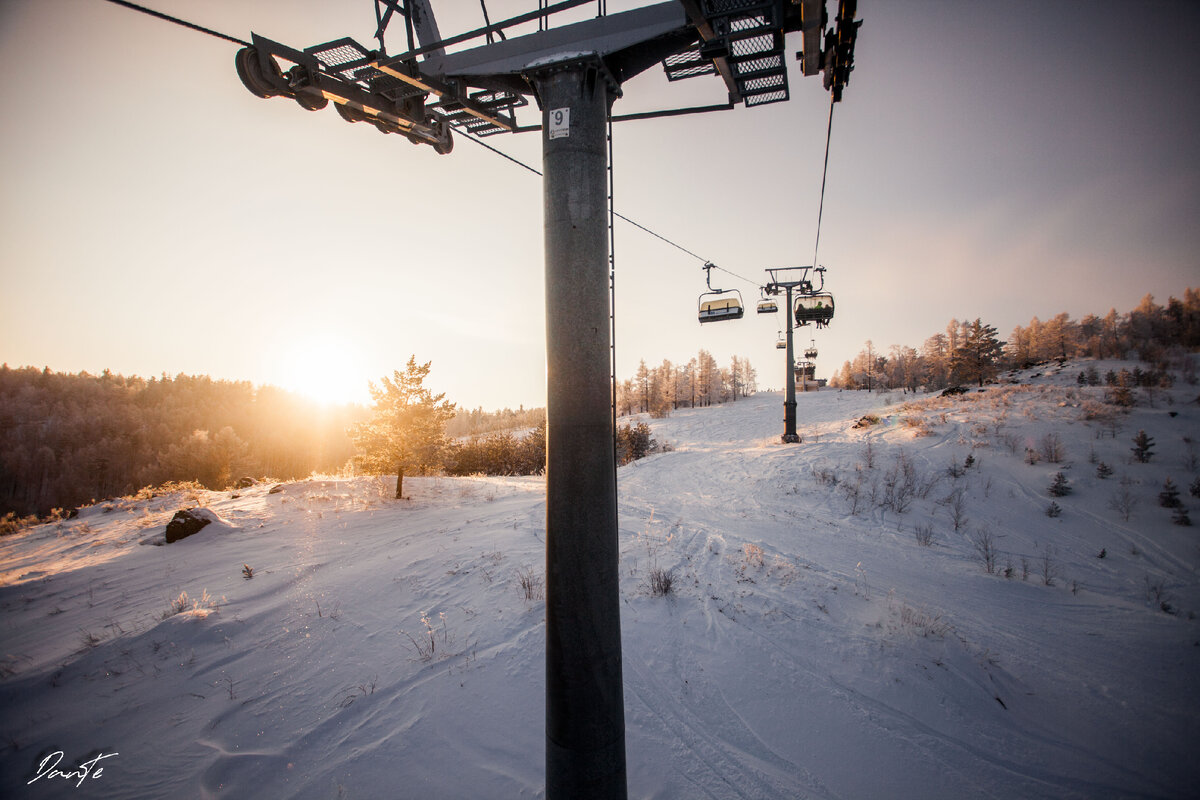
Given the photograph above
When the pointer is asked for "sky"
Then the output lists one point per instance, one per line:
(991, 160)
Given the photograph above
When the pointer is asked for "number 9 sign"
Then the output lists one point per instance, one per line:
(560, 122)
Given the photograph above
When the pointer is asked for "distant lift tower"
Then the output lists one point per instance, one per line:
(810, 304)
(574, 73)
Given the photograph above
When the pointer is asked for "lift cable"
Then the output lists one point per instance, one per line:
(617, 214)
(178, 21)
(824, 174)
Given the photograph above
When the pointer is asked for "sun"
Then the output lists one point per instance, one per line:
(326, 369)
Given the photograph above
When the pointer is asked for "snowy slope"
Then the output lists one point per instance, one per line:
(812, 646)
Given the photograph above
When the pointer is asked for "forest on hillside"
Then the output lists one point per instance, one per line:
(972, 352)
(68, 439)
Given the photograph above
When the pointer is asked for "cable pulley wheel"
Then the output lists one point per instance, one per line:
(249, 70)
(351, 114)
(312, 102)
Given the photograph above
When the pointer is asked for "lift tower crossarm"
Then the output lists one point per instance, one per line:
(707, 34)
(627, 43)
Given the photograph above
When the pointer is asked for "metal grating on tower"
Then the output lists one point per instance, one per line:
(747, 38)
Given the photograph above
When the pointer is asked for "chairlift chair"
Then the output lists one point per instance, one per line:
(816, 308)
(810, 352)
(781, 343)
(767, 306)
(718, 305)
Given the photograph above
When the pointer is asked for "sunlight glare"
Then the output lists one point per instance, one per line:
(327, 369)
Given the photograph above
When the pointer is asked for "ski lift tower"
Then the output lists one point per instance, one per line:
(789, 280)
(574, 73)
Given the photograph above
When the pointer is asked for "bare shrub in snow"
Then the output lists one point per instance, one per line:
(853, 491)
(1156, 593)
(662, 581)
(956, 502)
(200, 607)
(1123, 500)
(916, 621)
(754, 554)
(924, 535)
(868, 454)
(986, 546)
(433, 642)
(824, 476)
(530, 584)
(900, 484)
(1051, 449)
(1050, 571)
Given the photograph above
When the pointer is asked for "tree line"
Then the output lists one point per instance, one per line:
(971, 352)
(66, 439)
(70, 439)
(700, 382)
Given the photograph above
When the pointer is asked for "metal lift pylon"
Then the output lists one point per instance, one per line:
(574, 72)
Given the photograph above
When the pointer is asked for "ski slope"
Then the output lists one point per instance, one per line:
(811, 647)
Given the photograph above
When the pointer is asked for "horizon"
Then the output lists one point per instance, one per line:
(971, 174)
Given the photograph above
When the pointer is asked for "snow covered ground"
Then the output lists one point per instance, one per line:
(812, 647)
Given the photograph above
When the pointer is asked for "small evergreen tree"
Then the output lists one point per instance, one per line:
(1059, 487)
(1142, 446)
(1103, 471)
(407, 429)
(1180, 516)
(1195, 487)
(1169, 496)
(1053, 510)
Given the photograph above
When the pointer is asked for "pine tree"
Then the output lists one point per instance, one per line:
(1059, 487)
(975, 357)
(407, 429)
(1143, 444)
(1169, 496)
(1103, 470)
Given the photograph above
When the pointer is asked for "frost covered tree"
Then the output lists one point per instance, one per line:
(407, 429)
